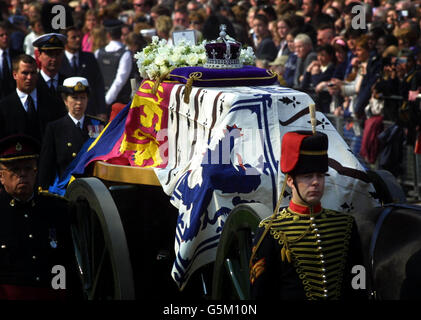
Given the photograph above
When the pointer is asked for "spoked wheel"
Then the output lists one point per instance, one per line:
(100, 242)
(231, 267)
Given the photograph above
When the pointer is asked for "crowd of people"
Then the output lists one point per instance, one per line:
(358, 64)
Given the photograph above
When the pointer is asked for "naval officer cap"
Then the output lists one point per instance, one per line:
(18, 147)
(304, 152)
(75, 85)
(50, 41)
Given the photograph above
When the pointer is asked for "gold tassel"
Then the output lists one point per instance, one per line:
(156, 86)
(187, 90)
(158, 81)
(283, 254)
(193, 76)
(288, 254)
(281, 80)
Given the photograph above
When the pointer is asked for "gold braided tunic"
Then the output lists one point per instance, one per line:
(309, 248)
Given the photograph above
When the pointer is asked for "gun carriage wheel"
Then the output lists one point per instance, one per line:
(231, 268)
(100, 242)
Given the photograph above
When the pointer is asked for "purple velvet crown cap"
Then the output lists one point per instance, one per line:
(217, 50)
(223, 53)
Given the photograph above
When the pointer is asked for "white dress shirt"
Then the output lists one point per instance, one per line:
(283, 46)
(123, 71)
(70, 56)
(76, 120)
(47, 79)
(24, 97)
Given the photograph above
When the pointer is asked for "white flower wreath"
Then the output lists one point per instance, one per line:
(157, 59)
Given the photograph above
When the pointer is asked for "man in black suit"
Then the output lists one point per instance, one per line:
(77, 63)
(50, 47)
(66, 136)
(7, 85)
(28, 109)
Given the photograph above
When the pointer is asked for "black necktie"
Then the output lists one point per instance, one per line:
(79, 125)
(31, 107)
(32, 117)
(74, 63)
(6, 70)
(52, 88)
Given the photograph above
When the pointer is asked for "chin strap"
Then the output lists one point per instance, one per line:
(299, 194)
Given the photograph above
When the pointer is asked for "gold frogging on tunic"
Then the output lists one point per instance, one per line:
(317, 246)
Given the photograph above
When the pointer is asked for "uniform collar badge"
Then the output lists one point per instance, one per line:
(18, 147)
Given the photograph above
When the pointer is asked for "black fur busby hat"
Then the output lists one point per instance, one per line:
(302, 152)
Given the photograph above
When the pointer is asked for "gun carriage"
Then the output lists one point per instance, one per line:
(201, 170)
(126, 225)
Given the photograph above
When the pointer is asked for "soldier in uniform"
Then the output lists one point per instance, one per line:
(305, 251)
(65, 137)
(37, 259)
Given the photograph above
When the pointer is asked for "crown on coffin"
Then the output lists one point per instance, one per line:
(224, 52)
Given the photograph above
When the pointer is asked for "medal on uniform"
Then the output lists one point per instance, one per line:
(94, 130)
(52, 238)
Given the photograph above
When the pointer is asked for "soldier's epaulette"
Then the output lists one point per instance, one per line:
(265, 221)
(47, 193)
(329, 211)
(334, 212)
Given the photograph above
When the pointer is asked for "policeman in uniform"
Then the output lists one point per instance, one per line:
(305, 251)
(37, 259)
(115, 62)
(65, 137)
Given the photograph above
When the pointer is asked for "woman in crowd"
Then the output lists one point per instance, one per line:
(91, 21)
(163, 26)
(291, 63)
(341, 53)
(283, 25)
(99, 38)
(318, 74)
(356, 90)
(265, 47)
